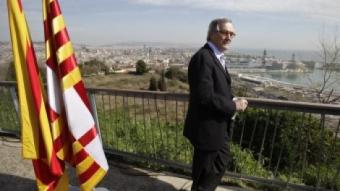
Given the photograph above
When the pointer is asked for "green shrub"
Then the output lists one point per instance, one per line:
(329, 177)
(245, 163)
(141, 67)
(176, 73)
(93, 66)
(153, 84)
(300, 142)
(162, 83)
(9, 120)
(150, 138)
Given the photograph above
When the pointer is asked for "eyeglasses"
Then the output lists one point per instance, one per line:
(227, 33)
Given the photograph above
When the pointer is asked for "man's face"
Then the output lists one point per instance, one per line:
(222, 38)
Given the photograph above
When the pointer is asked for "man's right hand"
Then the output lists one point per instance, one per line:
(241, 104)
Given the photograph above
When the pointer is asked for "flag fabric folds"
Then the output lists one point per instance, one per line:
(69, 110)
(37, 140)
(61, 128)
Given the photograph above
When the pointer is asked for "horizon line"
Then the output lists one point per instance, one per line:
(160, 43)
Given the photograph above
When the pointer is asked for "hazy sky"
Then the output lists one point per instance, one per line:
(263, 24)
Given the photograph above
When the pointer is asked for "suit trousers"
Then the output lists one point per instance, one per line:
(208, 168)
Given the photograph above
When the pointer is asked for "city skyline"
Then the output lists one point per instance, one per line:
(289, 25)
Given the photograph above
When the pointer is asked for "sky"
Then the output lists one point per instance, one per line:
(260, 24)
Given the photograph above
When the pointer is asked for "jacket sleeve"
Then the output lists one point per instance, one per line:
(205, 94)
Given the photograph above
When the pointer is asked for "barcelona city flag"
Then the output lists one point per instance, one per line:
(37, 142)
(73, 127)
(60, 128)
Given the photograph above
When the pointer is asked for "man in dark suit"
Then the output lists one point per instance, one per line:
(211, 107)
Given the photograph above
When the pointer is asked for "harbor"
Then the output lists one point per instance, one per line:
(286, 85)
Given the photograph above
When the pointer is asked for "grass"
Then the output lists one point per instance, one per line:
(132, 82)
(8, 116)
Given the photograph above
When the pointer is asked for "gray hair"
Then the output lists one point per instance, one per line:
(214, 26)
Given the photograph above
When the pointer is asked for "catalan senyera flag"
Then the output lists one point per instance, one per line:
(37, 142)
(73, 126)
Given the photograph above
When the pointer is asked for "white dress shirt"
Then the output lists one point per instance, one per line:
(219, 55)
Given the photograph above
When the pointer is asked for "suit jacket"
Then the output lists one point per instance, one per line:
(210, 101)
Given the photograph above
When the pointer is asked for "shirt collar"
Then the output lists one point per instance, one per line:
(217, 53)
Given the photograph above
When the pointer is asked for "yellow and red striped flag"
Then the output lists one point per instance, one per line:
(70, 111)
(37, 140)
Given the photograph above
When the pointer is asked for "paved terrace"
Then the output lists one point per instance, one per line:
(17, 174)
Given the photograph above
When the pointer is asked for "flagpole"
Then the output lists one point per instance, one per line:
(15, 101)
(95, 114)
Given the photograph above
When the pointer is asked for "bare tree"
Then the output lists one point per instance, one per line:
(329, 52)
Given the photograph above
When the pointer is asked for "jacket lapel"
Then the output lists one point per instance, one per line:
(218, 63)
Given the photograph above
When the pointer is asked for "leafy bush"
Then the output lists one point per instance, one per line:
(150, 137)
(329, 177)
(289, 143)
(141, 67)
(153, 84)
(9, 120)
(93, 66)
(176, 73)
(162, 83)
(245, 163)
